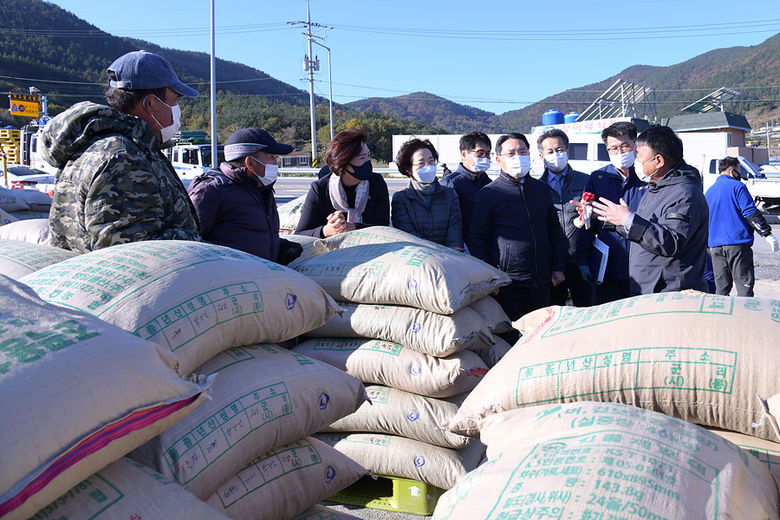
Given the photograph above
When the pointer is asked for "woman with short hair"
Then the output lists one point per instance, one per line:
(426, 208)
(351, 196)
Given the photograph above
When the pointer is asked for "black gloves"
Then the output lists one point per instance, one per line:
(288, 251)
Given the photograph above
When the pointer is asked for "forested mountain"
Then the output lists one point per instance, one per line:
(40, 40)
(734, 67)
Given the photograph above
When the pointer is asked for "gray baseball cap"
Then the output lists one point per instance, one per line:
(140, 70)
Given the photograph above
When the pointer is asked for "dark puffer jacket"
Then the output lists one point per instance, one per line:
(669, 235)
(514, 227)
(435, 218)
(234, 211)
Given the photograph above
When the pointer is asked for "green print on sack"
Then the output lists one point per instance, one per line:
(187, 321)
(274, 465)
(102, 495)
(26, 346)
(203, 445)
(679, 367)
(572, 319)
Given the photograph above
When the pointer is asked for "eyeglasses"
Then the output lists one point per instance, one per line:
(480, 153)
(511, 153)
(431, 161)
(623, 148)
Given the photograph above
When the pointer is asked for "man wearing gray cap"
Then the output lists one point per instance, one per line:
(235, 203)
(114, 185)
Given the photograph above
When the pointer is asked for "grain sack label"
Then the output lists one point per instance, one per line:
(323, 400)
(187, 321)
(102, 495)
(710, 370)
(367, 438)
(31, 257)
(571, 319)
(343, 269)
(347, 345)
(330, 474)
(101, 275)
(610, 472)
(275, 464)
(378, 394)
(289, 301)
(26, 341)
(194, 452)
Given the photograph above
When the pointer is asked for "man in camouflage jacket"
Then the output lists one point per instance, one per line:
(114, 185)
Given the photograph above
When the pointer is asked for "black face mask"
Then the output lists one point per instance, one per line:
(362, 172)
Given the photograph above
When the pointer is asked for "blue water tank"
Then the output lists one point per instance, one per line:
(552, 117)
(571, 117)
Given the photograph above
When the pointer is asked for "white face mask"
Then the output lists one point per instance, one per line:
(518, 166)
(556, 162)
(622, 161)
(480, 164)
(167, 132)
(426, 174)
(640, 172)
(271, 173)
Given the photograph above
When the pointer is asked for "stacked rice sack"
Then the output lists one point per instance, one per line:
(413, 314)
(76, 394)
(216, 313)
(701, 359)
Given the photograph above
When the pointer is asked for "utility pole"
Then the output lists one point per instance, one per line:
(312, 65)
(213, 93)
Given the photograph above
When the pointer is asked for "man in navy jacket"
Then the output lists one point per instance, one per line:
(613, 182)
(235, 202)
(471, 174)
(668, 230)
(733, 216)
(514, 227)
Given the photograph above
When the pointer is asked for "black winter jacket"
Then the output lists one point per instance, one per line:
(514, 227)
(669, 235)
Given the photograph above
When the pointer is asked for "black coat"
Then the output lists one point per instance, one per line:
(514, 227)
(317, 206)
(234, 211)
(669, 235)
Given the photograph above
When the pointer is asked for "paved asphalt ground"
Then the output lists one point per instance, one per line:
(767, 286)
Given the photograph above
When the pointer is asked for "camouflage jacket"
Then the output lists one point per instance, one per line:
(113, 185)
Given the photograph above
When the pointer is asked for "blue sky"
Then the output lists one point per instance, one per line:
(498, 56)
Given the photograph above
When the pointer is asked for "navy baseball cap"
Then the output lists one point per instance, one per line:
(250, 140)
(141, 70)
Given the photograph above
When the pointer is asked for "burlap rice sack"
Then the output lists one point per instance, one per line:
(6, 218)
(286, 482)
(75, 395)
(396, 412)
(406, 458)
(605, 460)
(194, 299)
(494, 316)
(391, 364)
(34, 230)
(264, 396)
(427, 332)
(700, 358)
(768, 453)
(19, 259)
(126, 490)
(324, 513)
(403, 273)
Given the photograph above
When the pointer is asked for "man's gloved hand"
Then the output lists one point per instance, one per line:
(773, 243)
(288, 251)
(585, 272)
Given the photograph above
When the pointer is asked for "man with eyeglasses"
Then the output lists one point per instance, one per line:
(615, 181)
(471, 174)
(114, 185)
(514, 227)
(668, 230)
(566, 184)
